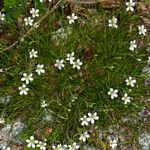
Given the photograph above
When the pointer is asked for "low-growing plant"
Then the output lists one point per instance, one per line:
(73, 79)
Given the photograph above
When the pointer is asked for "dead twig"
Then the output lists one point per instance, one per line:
(38, 22)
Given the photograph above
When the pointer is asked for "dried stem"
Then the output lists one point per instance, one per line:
(38, 22)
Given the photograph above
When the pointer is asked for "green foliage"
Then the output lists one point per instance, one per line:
(9, 2)
(99, 47)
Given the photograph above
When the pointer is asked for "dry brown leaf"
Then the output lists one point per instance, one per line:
(89, 54)
(17, 147)
(48, 130)
(84, 74)
(144, 8)
(103, 3)
(7, 37)
(126, 147)
(4, 135)
(109, 3)
(146, 22)
(84, 1)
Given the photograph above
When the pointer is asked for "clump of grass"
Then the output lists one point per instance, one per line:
(63, 93)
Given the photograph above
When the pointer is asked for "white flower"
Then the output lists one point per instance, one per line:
(84, 120)
(43, 104)
(23, 89)
(92, 117)
(126, 98)
(113, 144)
(72, 18)
(28, 21)
(139, 59)
(5, 147)
(59, 35)
(1, 69)
(84, 136)
(59, 147)
(41, 145)
(54, 147)
(133, 45)
(130, 81)
(64, 147)
(2, 16)
(113, 93)
(142, 30)
(44, 0)
(73, 146)
(130, 5)
(148, 60)
(22, 39)
(40, 69)
(77, 64)
(31, 142)
(27, 78)
(113, 22)
(34, 12)
(33, 53)
(70, 57)
(2, 120)
(36, 25)
(59, 64)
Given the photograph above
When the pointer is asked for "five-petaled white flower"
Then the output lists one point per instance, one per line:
(33, 53)
(84, 136)
(92, 117)
(130, 81)
(59, 64)
(41, 145)
(72, 18)
(40, 69)
(28, 21)
(23, 89)
(31, 142)
(27, 78)
(84, 120)
(133, 45)
(113, 22)
(130, 5)
(34, 12)
(126, 98)
(73, 146)
(113, 144)
(142, 29)
(77, 64)
(113, 93)
(70, 57)
(43, 104)
(2, 16)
